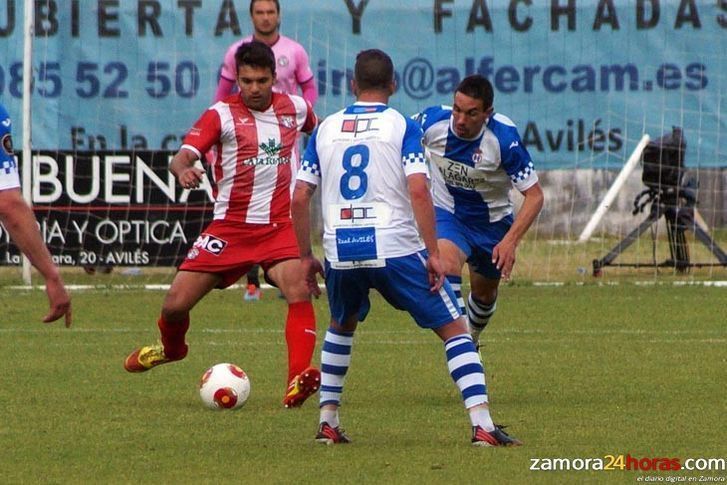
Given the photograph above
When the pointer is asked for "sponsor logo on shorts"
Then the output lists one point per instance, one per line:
(211, 244)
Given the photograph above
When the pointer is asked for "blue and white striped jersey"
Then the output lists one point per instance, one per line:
(8, 168)
(360, 157)
(475, 176)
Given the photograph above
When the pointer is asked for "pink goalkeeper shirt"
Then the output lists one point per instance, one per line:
(291, 60)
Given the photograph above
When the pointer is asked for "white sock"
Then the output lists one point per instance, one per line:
(480, 416)
(329, 416)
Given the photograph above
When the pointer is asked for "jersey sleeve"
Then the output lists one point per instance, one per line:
(310, 120)
(429, 116)
(412, 153)
(517, 162)
(228, 70)
(204, 134)
(303, 71)
(310, 167)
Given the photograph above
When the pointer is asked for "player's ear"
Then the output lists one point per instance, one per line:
(392, 87)
(354, 87)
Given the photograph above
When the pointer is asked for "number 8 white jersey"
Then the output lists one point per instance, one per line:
(360, 157)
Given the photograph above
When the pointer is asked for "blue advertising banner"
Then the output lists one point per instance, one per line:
(582, 79)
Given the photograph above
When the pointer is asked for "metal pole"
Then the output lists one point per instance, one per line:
(28, 25)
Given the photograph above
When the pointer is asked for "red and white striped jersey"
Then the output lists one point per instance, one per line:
(255, 164)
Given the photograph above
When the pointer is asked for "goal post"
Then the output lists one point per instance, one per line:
(614, 190)
(28, 22)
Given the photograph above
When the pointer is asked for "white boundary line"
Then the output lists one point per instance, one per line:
(265, 286)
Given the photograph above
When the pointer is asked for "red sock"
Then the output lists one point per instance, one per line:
(173, 337)
(300, 334)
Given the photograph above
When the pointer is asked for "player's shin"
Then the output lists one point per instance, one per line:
(478, 316)
(468, 374)
(300, 335)
(172, 337)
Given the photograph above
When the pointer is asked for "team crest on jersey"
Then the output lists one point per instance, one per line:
(209, 243)
(192, 253)
(283, 61)
(8, 144)
(287, 121)
(477, 156)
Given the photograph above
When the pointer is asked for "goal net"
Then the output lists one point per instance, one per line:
(117, 84)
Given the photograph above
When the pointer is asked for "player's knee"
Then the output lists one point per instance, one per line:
(451, 266)
(174, 307)
(484, 297)
(295, 293)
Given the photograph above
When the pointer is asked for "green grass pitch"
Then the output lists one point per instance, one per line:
(575, 371)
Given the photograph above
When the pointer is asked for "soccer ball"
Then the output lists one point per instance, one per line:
(224, 386)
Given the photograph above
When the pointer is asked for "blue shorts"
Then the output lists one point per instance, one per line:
(476, 242)
(403, 282)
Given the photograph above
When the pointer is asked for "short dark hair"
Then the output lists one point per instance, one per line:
(374, 70)
(477, 87)
(277, 4)
(256, 54)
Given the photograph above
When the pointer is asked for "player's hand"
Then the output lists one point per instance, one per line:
(435, 268)
(311, 268)
(191, 177)
(60, 302)
(503, 257)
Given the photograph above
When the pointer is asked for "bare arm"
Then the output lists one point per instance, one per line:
(20, 222)
(421, 202)
(182, 166)
(503, 255)
(300, 211)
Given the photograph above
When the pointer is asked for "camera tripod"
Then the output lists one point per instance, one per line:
(678, 210)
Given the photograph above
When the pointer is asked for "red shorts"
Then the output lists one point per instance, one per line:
(230, 249)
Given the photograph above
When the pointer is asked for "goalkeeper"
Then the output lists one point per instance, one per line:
(480, 157)
(294, 76)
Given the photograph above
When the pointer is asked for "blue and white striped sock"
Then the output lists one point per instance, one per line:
(466, 369)
(456, 283)
(335, 359)
(468, 373)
